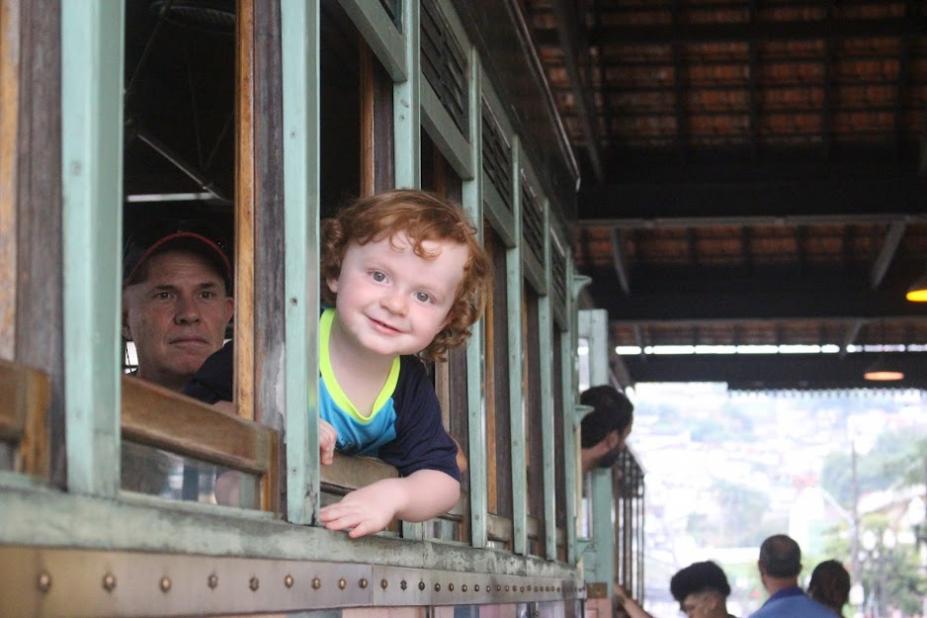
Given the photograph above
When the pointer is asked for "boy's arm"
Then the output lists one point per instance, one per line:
(417, 497)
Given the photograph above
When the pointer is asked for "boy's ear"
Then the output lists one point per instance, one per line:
(332, 284)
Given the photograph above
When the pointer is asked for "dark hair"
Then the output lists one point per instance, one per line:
(830, 585)
(161, 237)
(699, 577)
(612, 412)
(780, 556)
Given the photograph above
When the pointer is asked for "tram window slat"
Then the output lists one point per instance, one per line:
(533, 423)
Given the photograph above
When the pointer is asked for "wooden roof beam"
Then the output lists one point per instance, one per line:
(744, 31)
(573, 46)
(618, 259)
(836, 198)
(807, 370)
(766, 301)
(889, 248)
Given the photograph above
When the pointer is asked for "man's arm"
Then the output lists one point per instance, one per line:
(417, 497)
(631, 607)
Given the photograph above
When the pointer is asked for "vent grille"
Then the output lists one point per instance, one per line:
(444, 64)
(497, 157)
(532, 222)
(558, 273)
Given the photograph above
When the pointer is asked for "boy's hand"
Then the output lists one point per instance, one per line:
(327, 439)
(421, 495)
(366, 510)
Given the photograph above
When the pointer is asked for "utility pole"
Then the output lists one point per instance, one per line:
(854, 550)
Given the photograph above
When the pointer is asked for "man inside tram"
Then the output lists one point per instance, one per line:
(176, 306)
(605, 429)
(176, 302)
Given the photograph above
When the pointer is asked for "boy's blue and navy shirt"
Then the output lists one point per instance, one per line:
(403, 429)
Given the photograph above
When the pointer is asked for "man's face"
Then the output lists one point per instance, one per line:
(614, 442)
(701, 605)
(176, 317)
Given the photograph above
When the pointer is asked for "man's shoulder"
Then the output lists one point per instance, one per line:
(798, 606)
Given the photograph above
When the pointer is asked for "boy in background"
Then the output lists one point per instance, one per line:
(407, 277)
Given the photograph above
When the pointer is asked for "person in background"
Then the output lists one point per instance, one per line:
(605, 429)
(830, 585)
(701, 589)
(779, 566)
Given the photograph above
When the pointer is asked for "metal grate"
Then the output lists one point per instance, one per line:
(532, 221)
(497, 156)
(444, 64)
(558, 266)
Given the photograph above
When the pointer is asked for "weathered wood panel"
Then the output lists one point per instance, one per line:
(268, 217)
(24, 397)
(164, 419)
(39, 287)
(9, 119)
(244, 210)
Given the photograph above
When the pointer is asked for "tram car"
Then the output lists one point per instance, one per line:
(260, 118)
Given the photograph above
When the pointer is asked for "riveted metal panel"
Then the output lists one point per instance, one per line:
(68, 582)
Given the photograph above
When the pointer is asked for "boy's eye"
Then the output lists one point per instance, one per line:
(378, 276)
(207, 294)
(422, 297)
(163, 295)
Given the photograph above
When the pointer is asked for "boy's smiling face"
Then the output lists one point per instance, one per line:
(390, 301)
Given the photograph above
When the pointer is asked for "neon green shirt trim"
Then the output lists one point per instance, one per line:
(334, 389)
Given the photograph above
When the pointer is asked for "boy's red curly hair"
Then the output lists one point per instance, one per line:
(422, 217)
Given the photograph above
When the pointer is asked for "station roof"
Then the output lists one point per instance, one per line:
(753, 173)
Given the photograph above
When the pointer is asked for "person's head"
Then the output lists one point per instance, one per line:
(605, 428)
(176, 302)
(780, 561)
(701, 589)
(406, 273)
(830, 585)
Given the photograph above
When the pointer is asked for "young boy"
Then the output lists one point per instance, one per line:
(407, 277)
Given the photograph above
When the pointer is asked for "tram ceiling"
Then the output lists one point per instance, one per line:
(764, 178)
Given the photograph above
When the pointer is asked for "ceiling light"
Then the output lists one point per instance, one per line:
(917, 293)
(881, 371)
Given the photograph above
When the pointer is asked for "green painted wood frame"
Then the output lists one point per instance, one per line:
(91, 140)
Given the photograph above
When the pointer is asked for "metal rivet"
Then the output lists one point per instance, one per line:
(464, 587)
(437, 587)
(44, 582)
(288, 581)
(506, 588)
(476, 587)
(254, 583)
(213, 581)
(165, 584)
(558, 588)
(403, 584)
(450, 587)
(362, 583)
(342, 583)
(316, 583)
(384, 584)
(109, 582)
(421, 585)
(522, 589)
